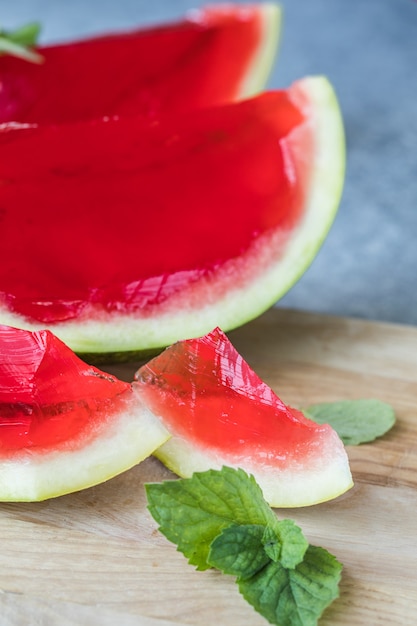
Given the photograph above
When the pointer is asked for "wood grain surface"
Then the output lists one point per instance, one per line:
(95, 558)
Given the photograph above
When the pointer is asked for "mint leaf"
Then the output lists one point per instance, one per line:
(355, 421)
(191, 512)
(294, 597)
(220, 519)
(243, 550)
(238, 550)
(271, 542)
(293, 543)
(20, 42)
(26, 35)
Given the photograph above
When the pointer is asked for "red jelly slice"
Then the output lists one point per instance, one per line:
(124, 215)
(219, 412)
(202, 60)
(49, 397)
(208, 394)
(64, 425)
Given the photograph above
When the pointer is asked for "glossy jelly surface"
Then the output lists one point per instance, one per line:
(207, 393)
(48, 396)
(122, 215)
(196, 62)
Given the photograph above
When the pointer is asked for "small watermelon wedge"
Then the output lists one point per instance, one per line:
(214, 55)
(126, 235)
(219, 412)
(64, 425)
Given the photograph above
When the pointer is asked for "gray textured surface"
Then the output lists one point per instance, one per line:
(368, 49)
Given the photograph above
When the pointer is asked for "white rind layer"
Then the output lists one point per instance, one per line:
(265, 56)
(318, 479)
(197, 312)
(124, 441)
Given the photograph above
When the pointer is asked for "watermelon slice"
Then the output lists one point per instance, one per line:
(216, 54)
(64, 425)
(125, 235)
(219, 412)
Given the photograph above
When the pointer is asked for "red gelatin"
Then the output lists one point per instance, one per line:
(124, 215)
(196, 62)
(48, 396)
(208, 394)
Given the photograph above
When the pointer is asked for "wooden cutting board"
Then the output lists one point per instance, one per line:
(96, 558)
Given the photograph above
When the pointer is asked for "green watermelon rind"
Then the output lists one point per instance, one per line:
(194, 314)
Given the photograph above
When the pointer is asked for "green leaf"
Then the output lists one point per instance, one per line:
(192, 512)
(20, 41)
(239, 550)
(243, 550)
(26, 35)
(355, 421)
(294, 597)
(293, 543)
(271, 542)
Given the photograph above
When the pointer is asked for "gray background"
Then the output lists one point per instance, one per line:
(368, 49)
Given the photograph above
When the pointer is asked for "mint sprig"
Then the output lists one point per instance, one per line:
(20, 42)
(220, 519)
(355, 421)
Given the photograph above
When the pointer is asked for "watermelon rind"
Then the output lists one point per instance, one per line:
(110, 335)
(120, 443)
(324, 479)
(265, 56)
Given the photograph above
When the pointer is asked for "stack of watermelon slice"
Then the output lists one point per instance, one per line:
(148, 195)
